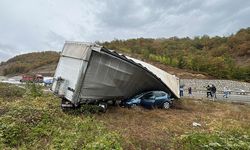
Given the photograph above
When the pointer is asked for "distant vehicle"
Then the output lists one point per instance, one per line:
(32, 78)
(151, 99)
(47, 81)
(26, 78)
(240, 91)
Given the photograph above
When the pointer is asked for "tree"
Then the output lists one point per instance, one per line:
(181, 62)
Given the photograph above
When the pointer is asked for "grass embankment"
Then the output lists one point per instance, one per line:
(33, 121)
(30, 121)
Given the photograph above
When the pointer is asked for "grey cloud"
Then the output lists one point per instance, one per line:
(127, 14)
(53, 39)
(4, 56)
(6, 51)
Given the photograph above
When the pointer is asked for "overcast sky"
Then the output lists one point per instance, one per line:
(38, 25)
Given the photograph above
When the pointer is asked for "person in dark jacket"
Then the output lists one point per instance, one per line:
(181, 90)
(209, 93)
(213, 90)
(190, 91)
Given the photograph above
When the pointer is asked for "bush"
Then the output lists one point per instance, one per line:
(12, 131)
(22, 126)
(33, 90)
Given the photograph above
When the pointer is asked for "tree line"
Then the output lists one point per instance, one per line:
(27, 62)
(221, 57)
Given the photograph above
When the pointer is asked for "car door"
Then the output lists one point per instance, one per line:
(159, 98)
(148, 100)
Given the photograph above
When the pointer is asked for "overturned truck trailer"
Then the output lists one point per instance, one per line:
(88, 73)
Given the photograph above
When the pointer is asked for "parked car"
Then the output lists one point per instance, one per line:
(47, 81)
(151, 99)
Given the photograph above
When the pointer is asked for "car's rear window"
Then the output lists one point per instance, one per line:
(159, 94)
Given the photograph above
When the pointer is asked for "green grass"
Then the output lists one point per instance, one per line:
(8, 91)
(231, 139)
(37, 122)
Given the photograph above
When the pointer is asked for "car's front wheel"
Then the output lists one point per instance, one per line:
(166, 105)
(132, 105)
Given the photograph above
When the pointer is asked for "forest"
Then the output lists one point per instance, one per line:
(27, 62)
(220, 57)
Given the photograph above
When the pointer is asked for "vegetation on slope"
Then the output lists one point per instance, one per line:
(37, 122)
(221, 57)
(27, 62)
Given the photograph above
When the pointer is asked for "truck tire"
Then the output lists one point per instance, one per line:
(103, 106)
(66, 105)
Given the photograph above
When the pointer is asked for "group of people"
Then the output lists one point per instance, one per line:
(211, 91)
(182, 91)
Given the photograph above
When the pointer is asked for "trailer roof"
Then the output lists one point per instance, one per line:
(166, 78)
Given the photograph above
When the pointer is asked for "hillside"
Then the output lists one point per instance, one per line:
(46, 62)
(40, 61)
(21, 65)
(220, 57)
(201, 57)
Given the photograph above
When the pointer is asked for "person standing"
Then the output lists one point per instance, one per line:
(213, 90)
(209, 93)
(190, 91)
(181, 91)
(225, 90)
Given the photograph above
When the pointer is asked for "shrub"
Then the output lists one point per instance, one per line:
(24, 125)
(12, 131)
(33, 90)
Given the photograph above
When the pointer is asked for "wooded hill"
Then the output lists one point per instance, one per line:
(220, 57)
(28, 62)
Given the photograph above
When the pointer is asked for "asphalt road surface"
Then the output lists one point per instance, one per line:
(231, 97)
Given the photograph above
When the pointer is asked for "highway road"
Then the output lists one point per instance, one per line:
(231, 97)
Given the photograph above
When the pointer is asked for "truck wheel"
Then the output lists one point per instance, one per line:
(114, 103)
(103, 107)
(66, 105)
